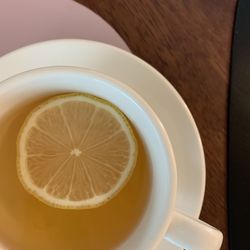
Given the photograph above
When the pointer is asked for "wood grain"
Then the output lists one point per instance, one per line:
(189, 42)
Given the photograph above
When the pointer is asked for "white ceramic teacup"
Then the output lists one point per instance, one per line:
(160, 219)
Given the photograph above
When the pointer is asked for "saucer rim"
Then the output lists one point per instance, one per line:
(70, 43)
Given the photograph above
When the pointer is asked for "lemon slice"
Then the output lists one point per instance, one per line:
(75, 151)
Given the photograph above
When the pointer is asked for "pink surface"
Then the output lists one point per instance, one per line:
(23, 22)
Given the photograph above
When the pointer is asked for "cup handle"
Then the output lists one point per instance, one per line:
(192, 234)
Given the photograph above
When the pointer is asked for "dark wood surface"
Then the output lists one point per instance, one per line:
(189, 42)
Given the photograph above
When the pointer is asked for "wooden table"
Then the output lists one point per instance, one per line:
(189, 42)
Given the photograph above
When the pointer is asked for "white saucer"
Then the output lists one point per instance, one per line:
(150, 84)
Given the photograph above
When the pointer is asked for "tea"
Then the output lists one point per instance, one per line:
(27, 224)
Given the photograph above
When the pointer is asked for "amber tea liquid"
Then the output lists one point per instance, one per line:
(28, 224)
